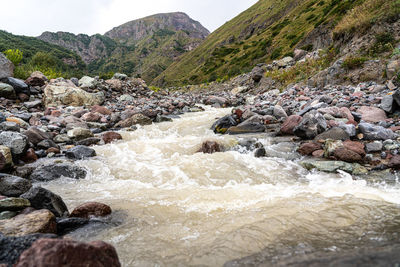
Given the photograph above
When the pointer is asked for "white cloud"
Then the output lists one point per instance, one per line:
(98, 16)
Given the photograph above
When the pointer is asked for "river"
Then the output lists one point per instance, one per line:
(175, 207)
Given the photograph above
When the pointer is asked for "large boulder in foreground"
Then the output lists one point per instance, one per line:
(39, 221)
(66, 93)
(6, 67)
(12, 247)
(61, 252)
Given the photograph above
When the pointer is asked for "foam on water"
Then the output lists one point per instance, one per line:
(188, 208)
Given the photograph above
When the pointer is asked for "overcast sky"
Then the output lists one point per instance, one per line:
(32, 17)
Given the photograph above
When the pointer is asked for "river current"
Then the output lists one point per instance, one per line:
(175, 207)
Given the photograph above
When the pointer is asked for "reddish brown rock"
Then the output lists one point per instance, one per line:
(62, 252)
(318, 153)
(35, 135)
(395, 162)
(101, 110)
(307, 149)
(89, 209)
(210, 147)
(91, 117)
(357, 147)
(290, 123)
(372, 114)
(111, 136)
(36, 79)
(23, 97)
(30, 156)
(347, 155)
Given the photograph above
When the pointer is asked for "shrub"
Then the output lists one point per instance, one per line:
(106, 75)
(276, 53)
(383, 43)
(353, 62)
(14, 55)
(308, 47)
(44, 60)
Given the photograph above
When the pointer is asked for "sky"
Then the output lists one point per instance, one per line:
(32, 17)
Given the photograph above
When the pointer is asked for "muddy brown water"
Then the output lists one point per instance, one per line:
(176, 207)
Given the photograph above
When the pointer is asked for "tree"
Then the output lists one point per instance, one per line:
(14, 55)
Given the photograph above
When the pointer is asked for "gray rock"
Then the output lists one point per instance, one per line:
(87, 82)
(56, 171)
(374, 132)
(12, 247)
(66, 225)
(75, 81)
(279, 112)
(257, 74)
(79, 133)
(33, 104)
(126, 98)
(350, 129)
(313, 123)
(19, 85)
(7, 91)
(388, 104)
(335, 133)
(375, 146)
(5, 215)
(248, 126)
(6, 67)
(9, 126)
(80, 152)
(89, 141)
(36, 135)
(14, 204)
(120, 76)
(41, 198)
(17, 142)
(13, 186)
(46, 144)
(223, 124)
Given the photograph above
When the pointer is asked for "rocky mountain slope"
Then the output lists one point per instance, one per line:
(143, 47)
(270, 30)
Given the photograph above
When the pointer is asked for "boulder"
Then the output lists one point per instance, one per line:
(9, 126)
(92, 117)
(66, 225)
(79, 133)
(394, 162)
(40, 221)
(335, 133)
(13, 186)
(372, 114)
(374, 132)
(35, 135)
(12, 247)
(222, 125)
(7, 91)
(290, 123)
(88, 141)
(373, 147)
(6, 67)
(115, 84)
(126, 98)
(17, 142)
(90, 209)
(392, 68)
(248, 126)
(312, 124)
(100, 109)
(284, 62)
(279, 112)
(388, 104)
(13, 203)
(87, 82)
(134, 120)
(257, 74)
(334, 166)
(7, 162)
(299, 54)
(41, 198)
(307, 149)
(64, 252)
(20, 87)
(120, 76)
(55, 171)
(355, 146)
(347, 155)
(210, 147)
(109, 137)
(80, 152)
(221, 101)
(63, 93)
(46, 144)
(36, 79)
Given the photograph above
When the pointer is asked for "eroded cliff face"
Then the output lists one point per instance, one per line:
(137, 30)
(89, 48)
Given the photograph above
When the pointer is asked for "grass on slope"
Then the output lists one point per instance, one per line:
(268, 30)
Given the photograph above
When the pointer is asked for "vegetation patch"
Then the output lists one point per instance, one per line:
(353, 62)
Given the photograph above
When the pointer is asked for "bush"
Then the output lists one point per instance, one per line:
(14, 55)
(276, 53)
(44, 60)
(352, 62)
(106, 75)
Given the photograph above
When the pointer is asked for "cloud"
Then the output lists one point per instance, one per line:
(99, 16)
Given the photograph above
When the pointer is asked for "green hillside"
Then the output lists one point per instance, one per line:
(271, 29)
(50, 57)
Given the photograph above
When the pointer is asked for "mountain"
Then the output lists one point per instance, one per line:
(143, 47)
(57, 57)
(272, 29)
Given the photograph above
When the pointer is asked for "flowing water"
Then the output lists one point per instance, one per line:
(176, 207)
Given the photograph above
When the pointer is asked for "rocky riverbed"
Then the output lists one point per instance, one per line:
(229, 155)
